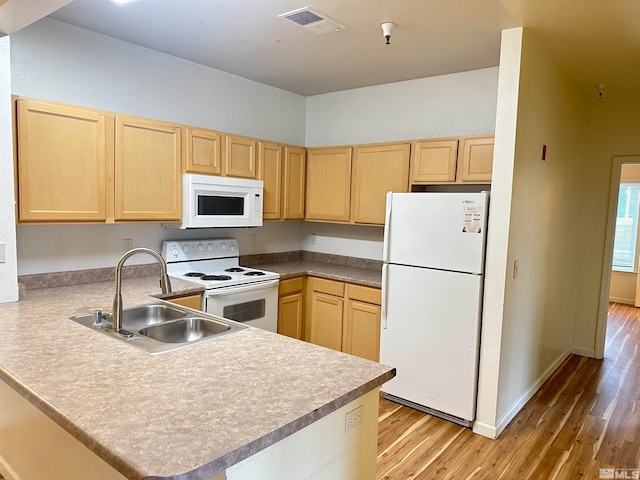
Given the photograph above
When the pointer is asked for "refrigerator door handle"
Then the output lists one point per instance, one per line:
(385, 288)
(387, 227)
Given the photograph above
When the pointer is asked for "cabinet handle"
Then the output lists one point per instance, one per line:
(387, 228)
(383, 307)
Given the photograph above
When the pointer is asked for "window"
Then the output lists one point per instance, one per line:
(624, 244)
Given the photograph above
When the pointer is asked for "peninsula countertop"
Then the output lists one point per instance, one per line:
(194, 411)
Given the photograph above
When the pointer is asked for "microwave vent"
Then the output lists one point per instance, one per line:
(312, 21)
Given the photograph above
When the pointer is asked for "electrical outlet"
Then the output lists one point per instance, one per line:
(127, 244)
(314, 239)
(254, 239)
(353, 418)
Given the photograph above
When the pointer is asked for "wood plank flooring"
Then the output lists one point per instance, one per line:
(586, 417)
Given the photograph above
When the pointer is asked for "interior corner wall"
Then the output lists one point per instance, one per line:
(8, 268)
(544, 230)
(55, 61)
(613, 131)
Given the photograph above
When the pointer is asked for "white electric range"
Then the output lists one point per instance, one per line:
(243, 294)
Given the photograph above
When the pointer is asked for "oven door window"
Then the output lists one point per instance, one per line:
(245, 312)
(218, 205)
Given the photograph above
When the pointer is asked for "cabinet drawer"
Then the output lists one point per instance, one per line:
(364, 294)
(290, 285)
(329, 287)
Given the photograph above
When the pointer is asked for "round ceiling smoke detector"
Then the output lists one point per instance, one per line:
(387, 27)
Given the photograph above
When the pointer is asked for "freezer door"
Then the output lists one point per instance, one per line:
(437, 230)
(432, 337)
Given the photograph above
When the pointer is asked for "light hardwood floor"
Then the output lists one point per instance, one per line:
(584, 418)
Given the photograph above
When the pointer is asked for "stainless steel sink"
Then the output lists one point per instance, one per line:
(184, 330)
(159, 327)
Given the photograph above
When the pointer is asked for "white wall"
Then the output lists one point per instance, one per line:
(445, 105)
(55, 61)
(544, 230)
(8, 283)
(360, 241)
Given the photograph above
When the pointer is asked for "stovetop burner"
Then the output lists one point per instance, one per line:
(194, 274)
(215, 277)
(234, 269)
(254, 274)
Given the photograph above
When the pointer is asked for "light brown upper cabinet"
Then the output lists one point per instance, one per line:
(282, 169)
(202, 151)
(461, 160)
(63, 156)
(239, 157)
(328, 184)
(377, 170)
(270, 168)
(434, 161)
(148, 170)
(293, 183)
(476, 159)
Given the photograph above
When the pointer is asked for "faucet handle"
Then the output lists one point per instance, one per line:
(99, 316)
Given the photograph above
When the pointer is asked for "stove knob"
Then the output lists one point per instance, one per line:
(174, 252)
(223, 246)
(185, 248)
(233, 248)
(200, 247)
(210, 246)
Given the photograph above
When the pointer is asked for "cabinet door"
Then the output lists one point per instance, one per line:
(328, 184)
(290, 315)
(148, 181)
(326, 320)
(202, 151)
(62, 161)
(476, 159)
(270, 163)
(376, 171)
(191, 301)
(293, 183)
(240, 156)
(361, 333)
(433, 161)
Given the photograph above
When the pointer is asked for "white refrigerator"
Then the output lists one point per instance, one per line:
(432, 278)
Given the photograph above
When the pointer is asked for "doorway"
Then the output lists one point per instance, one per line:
(607, 265)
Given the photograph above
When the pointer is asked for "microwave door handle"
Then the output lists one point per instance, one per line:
(220, 292)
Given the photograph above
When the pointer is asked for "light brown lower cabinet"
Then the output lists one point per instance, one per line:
(291, 307)
(344, 317)
(191, 301)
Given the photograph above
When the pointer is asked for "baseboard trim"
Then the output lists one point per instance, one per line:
(626, 301)
(584, 352)
(485, 430)
(525, 397)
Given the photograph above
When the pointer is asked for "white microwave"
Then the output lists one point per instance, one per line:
(209, 201)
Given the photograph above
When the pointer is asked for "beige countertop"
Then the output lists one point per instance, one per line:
(190, 412)
(344, 273)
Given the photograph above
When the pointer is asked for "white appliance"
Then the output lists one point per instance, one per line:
(432, 279)
(211, 201)
(243, 294)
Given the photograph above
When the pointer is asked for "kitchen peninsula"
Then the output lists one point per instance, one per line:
(246, 402)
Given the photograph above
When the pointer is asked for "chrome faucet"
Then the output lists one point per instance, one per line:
(165, 285)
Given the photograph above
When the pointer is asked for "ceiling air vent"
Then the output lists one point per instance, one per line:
(312, 21)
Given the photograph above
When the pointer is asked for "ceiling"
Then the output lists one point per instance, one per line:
(596, 41)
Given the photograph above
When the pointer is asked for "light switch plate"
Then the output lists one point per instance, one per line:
(3, 252)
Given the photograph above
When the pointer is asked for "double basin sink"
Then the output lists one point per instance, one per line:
(159, 327)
